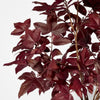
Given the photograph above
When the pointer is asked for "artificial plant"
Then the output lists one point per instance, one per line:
(78, 69)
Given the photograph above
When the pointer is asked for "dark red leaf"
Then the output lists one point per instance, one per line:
(56, 52)
(70, 36)
(31, 37)
(61, 76)
(27, 76)
(80, 8)
(20, 67)
(60, 28)
(76, 86)
(62, 96)
(59, 1)
(72, 61)
(17, 32)
(92, 3)
(24, 25)
(52, 65)
(84, 55)
(95, 47)
(8, 64)
(90, 88)
(44, 40)
(61, 92)
(61, 13)
(94, 21)
(52, 19)
(98, 33)
(21, 27)
(98, 82)
(31, 83)
(41, 48)
(72, 48)
(74, 16)
(58, 40)
(24, 88)
(18, 47)
(73, 55)
(89, 62)
(43, 27)
(39, 8)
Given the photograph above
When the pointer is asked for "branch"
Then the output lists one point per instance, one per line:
(75, 34)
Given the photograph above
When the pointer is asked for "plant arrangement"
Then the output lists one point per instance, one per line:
(78, 69)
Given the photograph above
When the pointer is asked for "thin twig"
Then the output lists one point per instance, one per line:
(95, 94)
(75, 35)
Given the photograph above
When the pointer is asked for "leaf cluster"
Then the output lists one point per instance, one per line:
(78, 69)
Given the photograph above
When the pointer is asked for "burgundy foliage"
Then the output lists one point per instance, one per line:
(37, 49)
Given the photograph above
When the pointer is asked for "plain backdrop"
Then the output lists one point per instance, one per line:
(12, 11)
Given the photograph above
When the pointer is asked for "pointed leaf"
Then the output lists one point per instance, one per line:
(72, 61)
(76, 86)
(27, 76)
(43, 27)
(60, 28)
(89, 62)
(24, 88)
(17, 32)
(39, 8)
(59, 1)
(52, 65)
(95, 47)
(21, 27)
(57, 40)
(80, 9)
(56, 52)
(90, 88)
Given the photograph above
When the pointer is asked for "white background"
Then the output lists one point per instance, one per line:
(12, 11)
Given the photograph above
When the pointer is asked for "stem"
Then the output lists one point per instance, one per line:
(75, 34)
(96, 94)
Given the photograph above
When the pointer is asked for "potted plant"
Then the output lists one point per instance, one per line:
(78, 68)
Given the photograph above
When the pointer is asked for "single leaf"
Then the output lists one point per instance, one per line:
(8, 64)
(76, 86)
(56, 52)
(52, 65)
(24, 88)
(21, 27)
(94, 4)
(62, 96)
(90, 88)
(44, 40)
(27, 76)
(19, 68)
(31, 37)
(58, 40)
(39, 8)
(94, 21)
(72, 61)
(80, 8)
(61, 92)
(24, 25)
(60, 28)
(17, 32)
(43, 27)
(89, 62)
(84, 55)
(70, 36)
(95, 47)
(59, 1)
(61, 13)
(73, 16)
